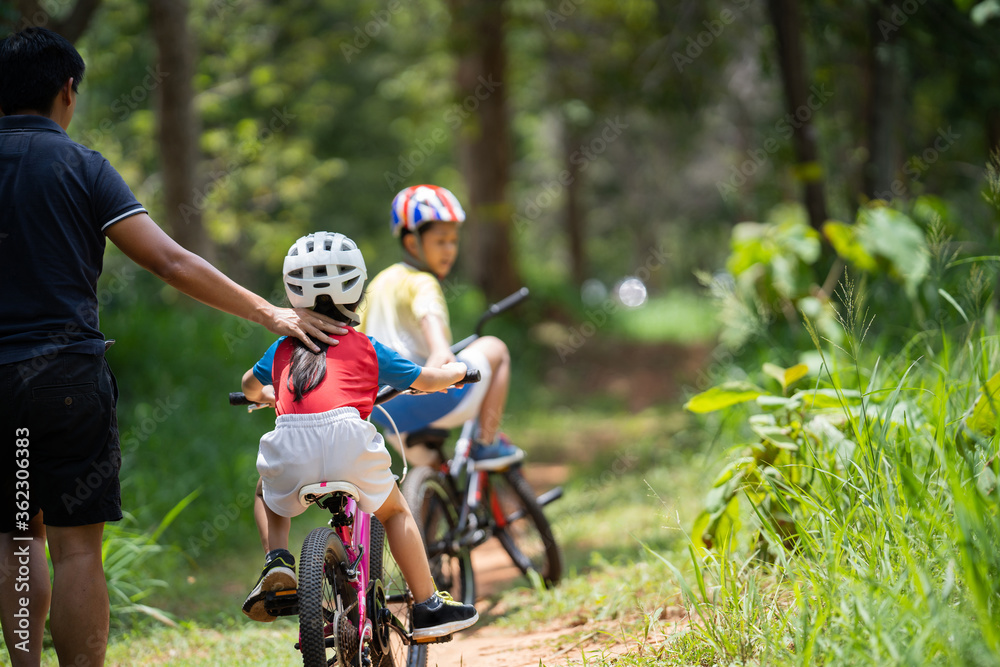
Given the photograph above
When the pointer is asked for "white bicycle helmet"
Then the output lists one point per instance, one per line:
(324, 263)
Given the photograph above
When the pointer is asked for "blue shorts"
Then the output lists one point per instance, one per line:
(413, 412)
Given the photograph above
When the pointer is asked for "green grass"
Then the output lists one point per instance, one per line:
(679, 316)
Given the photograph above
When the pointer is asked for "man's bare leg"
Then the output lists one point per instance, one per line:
(80, 607)
(24, 577)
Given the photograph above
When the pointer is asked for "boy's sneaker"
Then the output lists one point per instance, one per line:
(439, 615)
(498, 456)
(278, 575)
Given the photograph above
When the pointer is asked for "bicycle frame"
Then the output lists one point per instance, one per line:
(356, 539)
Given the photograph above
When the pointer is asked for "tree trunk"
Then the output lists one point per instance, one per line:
(787, 23)
(71, 27)
(884, 91)
(575, 220)
(484, 143)
(179, 127)
(993, 132)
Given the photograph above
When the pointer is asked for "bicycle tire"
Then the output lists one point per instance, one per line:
(528, 538)
(435, 510)
(382, 567)
(322, 590)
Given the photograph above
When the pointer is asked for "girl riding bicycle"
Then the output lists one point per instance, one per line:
(322, 400)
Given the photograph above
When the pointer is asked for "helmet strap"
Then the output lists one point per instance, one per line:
(353, 316)
(418, 261)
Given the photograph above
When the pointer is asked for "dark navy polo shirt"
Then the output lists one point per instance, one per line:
(57, 198)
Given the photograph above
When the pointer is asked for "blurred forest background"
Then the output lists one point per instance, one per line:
(737, 157)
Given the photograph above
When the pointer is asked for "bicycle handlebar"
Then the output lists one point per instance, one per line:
(385, 393)
(500, 306)
(239, 398)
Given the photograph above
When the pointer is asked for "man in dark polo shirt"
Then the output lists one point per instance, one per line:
(58, 429)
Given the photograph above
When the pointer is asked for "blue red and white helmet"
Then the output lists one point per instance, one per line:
(419, 205)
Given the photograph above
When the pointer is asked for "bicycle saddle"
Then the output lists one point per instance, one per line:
(428, 437)
(311, 493)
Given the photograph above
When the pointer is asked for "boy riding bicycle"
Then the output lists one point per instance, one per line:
(405, 308)
(322, 400)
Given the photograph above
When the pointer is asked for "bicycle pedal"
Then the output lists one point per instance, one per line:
(282, 603)
(434, 640)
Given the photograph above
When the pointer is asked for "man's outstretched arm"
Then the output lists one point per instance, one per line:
(149, 246)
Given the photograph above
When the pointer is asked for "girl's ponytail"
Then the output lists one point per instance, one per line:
(308, 368)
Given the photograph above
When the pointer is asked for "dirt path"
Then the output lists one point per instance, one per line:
(560, 643)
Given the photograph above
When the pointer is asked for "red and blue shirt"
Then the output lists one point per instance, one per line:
(355, 368)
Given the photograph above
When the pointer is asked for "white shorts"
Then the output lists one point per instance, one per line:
(329, 446)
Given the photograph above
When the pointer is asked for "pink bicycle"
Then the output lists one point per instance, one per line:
(353, 605)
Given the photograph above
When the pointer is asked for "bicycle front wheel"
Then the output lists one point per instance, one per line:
(327, 604)
(388, 647)
(436, 513)
(521, 526)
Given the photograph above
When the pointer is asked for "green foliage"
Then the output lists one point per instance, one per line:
(883, 240)
(776, 275)
(770, 276)
(986, 414)
(128, 554)
(797, 435)
(876, 494)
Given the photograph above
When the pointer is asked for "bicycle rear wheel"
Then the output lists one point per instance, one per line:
(436, 513)
(388, 647)
(328, 607)
(521, 526)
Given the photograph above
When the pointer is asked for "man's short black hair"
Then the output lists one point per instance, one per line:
(34, 64)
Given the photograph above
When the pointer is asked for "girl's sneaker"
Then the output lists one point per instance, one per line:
(278, 575)
(439, 615)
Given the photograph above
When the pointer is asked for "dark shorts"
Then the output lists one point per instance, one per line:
(59, 442)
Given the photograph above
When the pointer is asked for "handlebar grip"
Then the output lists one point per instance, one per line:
(238, 398)
(510, 301)
(472, 376)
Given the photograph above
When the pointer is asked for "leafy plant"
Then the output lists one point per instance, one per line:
(127, 554)
(883, 240)
(798, 435)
